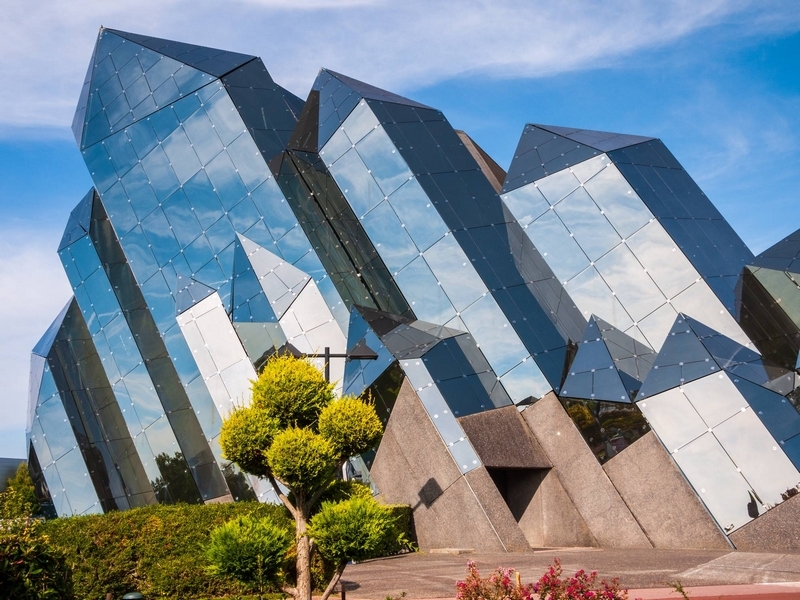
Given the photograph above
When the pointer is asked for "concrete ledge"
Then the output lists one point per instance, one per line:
(759, 591)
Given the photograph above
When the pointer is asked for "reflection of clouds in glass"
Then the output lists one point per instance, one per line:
(592, 295)
(420, 219)
(589, 227)
(359, 123)
(526, 203)
(423, 294)
(525, 380)
(383, 160)
(358, 187)
(666, 265)
(620, 204)
(555, 244)
(494, 334)
(635, 290)
(454, 270)
(389, 237)
(558, 185)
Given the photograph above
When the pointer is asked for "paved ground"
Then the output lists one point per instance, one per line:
(434, 575)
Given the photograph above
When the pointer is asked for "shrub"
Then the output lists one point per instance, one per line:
(354, 529)
(500, 585)
(249, 549)
(30, 568)
(157, 550)
(581, 586)
(19, 500)
(244, 435)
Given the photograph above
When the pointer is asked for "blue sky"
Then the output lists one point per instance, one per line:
(718, 81)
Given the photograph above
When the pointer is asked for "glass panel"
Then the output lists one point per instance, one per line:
(673, 418)
(422, 292)
(383, 160)
(557, 186)
(715, 398)
(494, 335)
(360, 122)
(361, 191)
(454, 272)
(143, 396)
(557, 246)
(700, 303)
(227, 183)
(665, 263)
(56, 427)
(715, 479)
(202, 134)
(763, 464)
(628, 279)
(655, 326)
(526, 203)
(584, 221)
(390, 239)
(589, 168)
(525, 381)
(75, 479)
(335, 147)
(620, 204)
(160, 174)
(420, 219)
(181, 155)
(592, 295)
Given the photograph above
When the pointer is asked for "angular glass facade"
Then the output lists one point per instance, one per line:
(230, 219)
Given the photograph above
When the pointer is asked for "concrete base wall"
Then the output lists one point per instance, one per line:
(413, 466)
(661, 500)
(775, 530)
(607, 517)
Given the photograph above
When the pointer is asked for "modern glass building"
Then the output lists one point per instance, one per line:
(554, 345)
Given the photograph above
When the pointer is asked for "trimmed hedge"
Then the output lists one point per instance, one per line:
(160, 550)
(157, 550)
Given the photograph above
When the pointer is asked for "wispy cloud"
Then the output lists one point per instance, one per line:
(33, 289)
(398, 45)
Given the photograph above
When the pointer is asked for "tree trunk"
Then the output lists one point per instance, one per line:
(303, 555)
(337, 574)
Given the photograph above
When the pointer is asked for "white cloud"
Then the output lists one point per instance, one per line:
(33, 289)
(397, 45)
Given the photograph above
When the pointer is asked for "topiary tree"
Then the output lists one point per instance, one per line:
(294, 433)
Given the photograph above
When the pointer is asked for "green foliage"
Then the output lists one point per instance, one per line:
(301, 459)
(291, 390)
(158, 550)
(30, 568)
(351, 426)
(355, 529)
(339, 490)
(249, 549)
(245, 435)
(19, 500)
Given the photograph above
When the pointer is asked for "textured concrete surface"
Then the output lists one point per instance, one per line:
(502, 439)
(434, 576)
(497, 511)
(596, 499)
(413, 466)
(661, 500)
(777, 528)
(550, 519)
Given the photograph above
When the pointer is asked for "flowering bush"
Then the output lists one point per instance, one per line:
(581, 586)
(500, 585)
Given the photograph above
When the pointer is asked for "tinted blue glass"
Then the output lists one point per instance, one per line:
(205, 141)
(227, 122)
(138, 189)
(183, 160)
(248, 161)
(56, 427)
(226, 181)
(100, 167)
(204, 201)
(161, 175)
(159, 234)
(270, 202)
